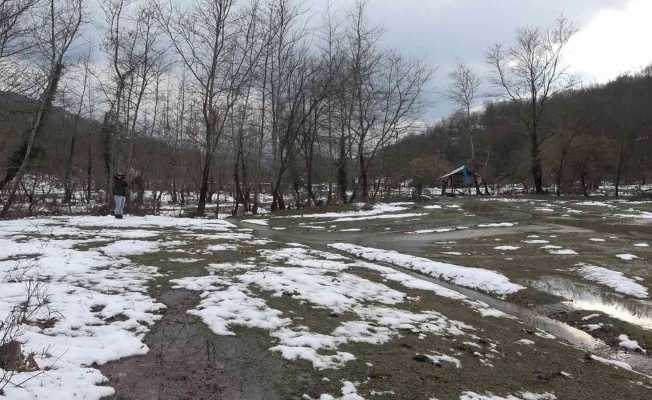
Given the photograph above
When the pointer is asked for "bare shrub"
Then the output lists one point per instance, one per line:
(34, 310)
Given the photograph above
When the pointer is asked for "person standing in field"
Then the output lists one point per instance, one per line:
(120, 188)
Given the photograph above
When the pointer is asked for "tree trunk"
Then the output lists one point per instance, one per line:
(619, 169)
(69, 162)
(109, 147)
(558, 179)
(585, 192)
(342, 179)
(364, 182)
(203, 190)
(89, 172)
(537, 173)
(37, 126)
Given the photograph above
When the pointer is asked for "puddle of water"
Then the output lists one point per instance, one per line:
(590, 298)
(578, 338)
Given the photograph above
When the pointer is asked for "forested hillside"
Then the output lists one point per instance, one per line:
(593, 135)
(69, 156)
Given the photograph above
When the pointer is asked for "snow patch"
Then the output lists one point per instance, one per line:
(629, 344)
(129, 248)
(477, 278)
(613, 279)
(261, 222)
(498, 225)
(618, 364)
(563, 252)
(520, 396)
(627, 257)
(506, 248)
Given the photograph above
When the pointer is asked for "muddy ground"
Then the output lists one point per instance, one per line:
(188, 361)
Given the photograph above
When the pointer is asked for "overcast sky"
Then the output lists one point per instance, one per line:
(615, 36)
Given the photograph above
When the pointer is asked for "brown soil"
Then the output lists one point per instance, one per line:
(186, 361)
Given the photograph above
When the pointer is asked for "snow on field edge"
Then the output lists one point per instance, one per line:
(476, 278)
(613, 279)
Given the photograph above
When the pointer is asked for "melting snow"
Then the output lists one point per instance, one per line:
(99, 298)
(478, 278)
(520, 396)
(537, 241)
(319, 279)
(627, 343)
(594, 204)
(627, 257)
(641, 215)
(439, 230)
(506, 248)
(222, 247)
(129, 248)
(442, 358)
(384, 216)
(613, 279)
(262, 222)
(377, 209)
(563, 252)
(618, 364)
(497, 225)
(349, 392)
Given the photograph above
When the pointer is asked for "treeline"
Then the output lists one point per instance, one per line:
(252, 97)
(590, 136)
(199, 96)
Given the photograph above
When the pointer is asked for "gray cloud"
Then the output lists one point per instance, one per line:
(441, 32)
(444, 32)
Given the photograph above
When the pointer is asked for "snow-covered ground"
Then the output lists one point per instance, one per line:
(322, 280)
(98, 308)
(374, 211)
(476, 278)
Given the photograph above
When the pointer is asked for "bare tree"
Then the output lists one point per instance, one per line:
(336, 108)
(67, 179)
(148, 59)
(209, 37)
(386, 91)
(120, 45)
(14, 32)
(61, 21)
(464, 92)
(290, 72)
(530, 72)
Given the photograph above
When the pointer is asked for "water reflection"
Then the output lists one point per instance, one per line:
(590, 298)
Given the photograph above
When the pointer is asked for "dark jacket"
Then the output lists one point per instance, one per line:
(120, 186)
